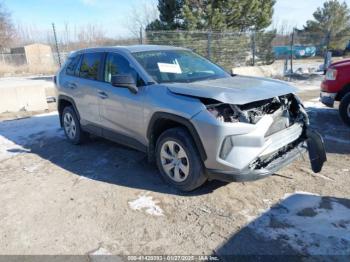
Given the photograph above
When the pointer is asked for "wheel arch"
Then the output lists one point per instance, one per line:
(161, 122)
(345, 90)
(64, 101)
(344, 108)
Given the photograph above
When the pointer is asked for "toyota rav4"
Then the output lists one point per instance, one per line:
(196, 121)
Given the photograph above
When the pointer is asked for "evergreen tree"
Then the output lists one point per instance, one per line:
(217, 15)
(331, 25)
(170, 15)
(240, 16)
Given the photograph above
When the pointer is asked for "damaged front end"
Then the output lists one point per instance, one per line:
(285, 110)
(279, 135)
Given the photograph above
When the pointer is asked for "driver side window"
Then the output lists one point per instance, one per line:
(117, 64)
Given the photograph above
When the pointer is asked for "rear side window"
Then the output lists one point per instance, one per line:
(72, 65)
(90, 66)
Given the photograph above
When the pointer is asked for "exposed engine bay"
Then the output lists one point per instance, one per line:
(286, 110)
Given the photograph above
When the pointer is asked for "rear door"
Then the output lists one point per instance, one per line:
(87, 86)
(71, 76)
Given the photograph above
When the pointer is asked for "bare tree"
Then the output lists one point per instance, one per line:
(283, 30)
(66, 35)
(7, 31)
(90, 35)
(70, 37)
(283, 27)
(76, 37)
(140, 16)
(30, 33)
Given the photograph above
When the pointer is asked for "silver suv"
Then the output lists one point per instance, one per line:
(189, 115)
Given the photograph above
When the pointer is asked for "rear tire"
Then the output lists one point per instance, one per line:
(178, 160)
(344, 109)
(71, 126)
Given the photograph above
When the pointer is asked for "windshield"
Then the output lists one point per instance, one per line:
(167, 66)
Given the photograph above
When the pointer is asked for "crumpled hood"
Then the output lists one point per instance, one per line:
(236, 90)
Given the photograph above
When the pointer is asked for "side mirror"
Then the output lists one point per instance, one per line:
(125, 80)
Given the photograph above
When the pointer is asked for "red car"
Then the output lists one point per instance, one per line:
(336, 87)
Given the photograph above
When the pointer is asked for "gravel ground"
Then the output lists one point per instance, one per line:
(102, 198)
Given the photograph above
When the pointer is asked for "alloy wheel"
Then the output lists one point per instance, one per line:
(69, 125)
(174, 161)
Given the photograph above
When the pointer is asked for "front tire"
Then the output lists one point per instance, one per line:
(178, 160)
(71, 126)
(344, 109)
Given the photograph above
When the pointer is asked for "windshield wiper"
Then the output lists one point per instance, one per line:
(193, 79)
(206, 78)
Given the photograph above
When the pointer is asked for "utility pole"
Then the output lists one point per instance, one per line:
(141, 35)
(253, 47)
(209, 35)
(291, 52)
(56, 43)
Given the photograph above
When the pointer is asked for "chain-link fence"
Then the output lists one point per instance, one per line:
(232, 49)
(228, 49)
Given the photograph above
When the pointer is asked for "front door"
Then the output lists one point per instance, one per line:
(121, 111)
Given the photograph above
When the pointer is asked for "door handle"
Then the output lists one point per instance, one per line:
(102, 95)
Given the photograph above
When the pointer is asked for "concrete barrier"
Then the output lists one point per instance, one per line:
(21, 94)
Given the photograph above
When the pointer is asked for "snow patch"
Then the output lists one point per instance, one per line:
(248, 216)
(313, 103)
(299, 192)
(32, 168)
(16, 134)
(146, 203)
(100, 251)
(309, 223)
(306, 86)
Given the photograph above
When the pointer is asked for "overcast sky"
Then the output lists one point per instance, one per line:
(112, 14)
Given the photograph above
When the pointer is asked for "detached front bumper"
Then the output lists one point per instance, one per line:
(255, 174)
(313, 144)
(244, 152)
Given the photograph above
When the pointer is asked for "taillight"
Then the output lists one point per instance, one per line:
(331, 74)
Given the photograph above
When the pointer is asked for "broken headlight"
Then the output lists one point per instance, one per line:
(227, 113)
(289, 106)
